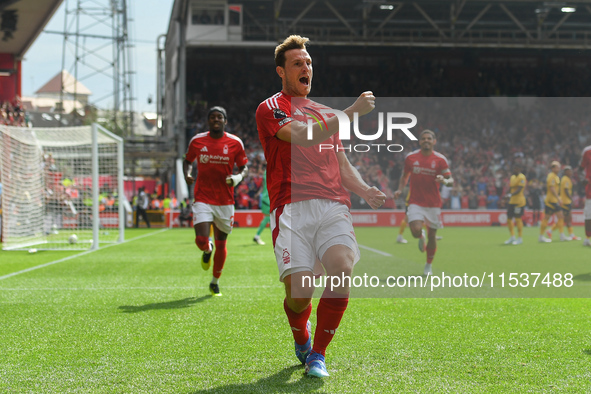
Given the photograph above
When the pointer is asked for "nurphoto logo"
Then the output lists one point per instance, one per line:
(392, 125)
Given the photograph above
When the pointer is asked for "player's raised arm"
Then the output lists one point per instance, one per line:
(297, 132)
(352, 181)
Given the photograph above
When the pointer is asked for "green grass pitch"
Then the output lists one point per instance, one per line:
(137, 318)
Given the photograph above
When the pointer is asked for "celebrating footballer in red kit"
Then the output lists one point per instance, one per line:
(216, 152)
(311, 224)
(427, 169)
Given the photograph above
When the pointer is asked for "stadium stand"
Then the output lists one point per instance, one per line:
(479, 144)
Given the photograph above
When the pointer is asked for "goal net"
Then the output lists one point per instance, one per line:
(62, 188)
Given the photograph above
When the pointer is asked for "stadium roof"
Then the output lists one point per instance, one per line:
(435, 23)
(21, 23)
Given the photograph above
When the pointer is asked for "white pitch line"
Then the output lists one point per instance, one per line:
(375, 250)
(76, 255)
(129, 288)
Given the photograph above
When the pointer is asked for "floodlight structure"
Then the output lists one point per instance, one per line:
(98, 42)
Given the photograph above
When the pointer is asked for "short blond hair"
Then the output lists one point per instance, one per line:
(291, 42)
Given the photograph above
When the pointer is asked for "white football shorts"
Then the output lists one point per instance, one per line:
(221, 215)
(303, 231)
(587, 210)
(430, 215)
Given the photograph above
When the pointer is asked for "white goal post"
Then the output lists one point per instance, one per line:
(62, 188)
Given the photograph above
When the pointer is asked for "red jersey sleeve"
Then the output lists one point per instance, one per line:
(192, 150)
(241, 159)
(407, 165)
(191, 154)
(272, 114)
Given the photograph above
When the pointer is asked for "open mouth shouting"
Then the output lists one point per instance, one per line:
(305, 80)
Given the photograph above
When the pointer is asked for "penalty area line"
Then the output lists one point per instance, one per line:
(375, 250)
(76, 255)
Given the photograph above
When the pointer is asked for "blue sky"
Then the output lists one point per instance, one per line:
(44, 59)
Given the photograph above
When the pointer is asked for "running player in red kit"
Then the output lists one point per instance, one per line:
(310, 220)
(217, 152)
(586, 165)
(426, 169)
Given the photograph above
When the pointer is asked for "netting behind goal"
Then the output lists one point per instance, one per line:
(62, 187)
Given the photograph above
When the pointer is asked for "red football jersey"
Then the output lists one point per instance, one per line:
(217, 157)
(424, 191)
(586, 164)
(295, 173)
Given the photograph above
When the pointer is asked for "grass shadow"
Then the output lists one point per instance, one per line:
(587, 352)
(184, 303)
(583, 277)
(276, 383)
(250, 245)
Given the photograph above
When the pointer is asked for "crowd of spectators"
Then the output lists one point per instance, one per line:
(12, 113)
(480, 138)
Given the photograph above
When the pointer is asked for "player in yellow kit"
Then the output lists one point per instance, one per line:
(566, 194)
(552, 202)
(516, 205)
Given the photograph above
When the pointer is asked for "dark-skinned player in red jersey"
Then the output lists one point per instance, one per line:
(216, 152)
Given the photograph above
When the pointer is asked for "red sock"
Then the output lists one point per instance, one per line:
(202, 243)
(297, 322)
(430, 254)
(219, 258)
(328, 315)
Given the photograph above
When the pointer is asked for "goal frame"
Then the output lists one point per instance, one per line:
(38, 242)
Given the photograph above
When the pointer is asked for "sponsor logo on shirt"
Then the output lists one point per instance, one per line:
(214, 159)
(284, 121)
(423, 171)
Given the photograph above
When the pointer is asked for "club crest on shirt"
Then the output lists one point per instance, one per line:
(225, 149)
(432, 164)
(279, 114)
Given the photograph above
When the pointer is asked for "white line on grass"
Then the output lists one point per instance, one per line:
(375, 250)
(76, 255)
(129, 288)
